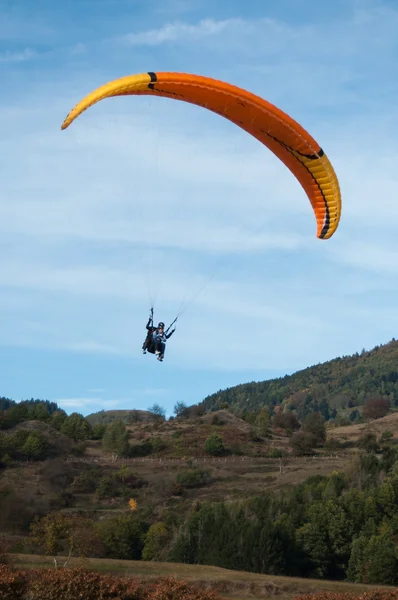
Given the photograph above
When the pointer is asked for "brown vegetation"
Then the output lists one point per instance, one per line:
(235, 585)
(72, 584)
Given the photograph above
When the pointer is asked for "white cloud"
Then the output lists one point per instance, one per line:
(92, 347)
(369, 256)
(86, 402)
(21, 56)
(179, 31)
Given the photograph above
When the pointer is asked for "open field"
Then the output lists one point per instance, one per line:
(236, 585)
(352, 433)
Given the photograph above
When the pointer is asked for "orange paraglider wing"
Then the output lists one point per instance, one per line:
(267, 123)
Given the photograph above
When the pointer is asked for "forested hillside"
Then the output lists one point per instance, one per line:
(330, 387)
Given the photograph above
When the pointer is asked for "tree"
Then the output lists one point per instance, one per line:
(315, 424)
(302, 442)
(36, 446)
(156, 541)
(58, 419)
(158, 411)
(180, 409)
(285, 420)
(98, 431)
(76, 427)
(214, 445)
(39, 411)
(376, 407)
(58, 532)
(123, 536)
(263, 422)
(18, 413)
(115, 439)
(375, 560)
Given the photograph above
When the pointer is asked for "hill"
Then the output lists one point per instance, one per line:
(329, 388)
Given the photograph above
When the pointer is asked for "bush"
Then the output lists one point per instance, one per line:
(86, 481)
(302, 443)
(373, 595)
(157, 444)
(105, 488)
(143, 449)
(333, 444)
(368, 442)
(214, 445)
(70, 584)
(386, 437)
(217, 421)
(275, 453)
(98, 431)
(194, 478)
(12, 584)
(285, 420)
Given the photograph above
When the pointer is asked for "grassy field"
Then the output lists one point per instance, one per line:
(352, 433)
(236, 585)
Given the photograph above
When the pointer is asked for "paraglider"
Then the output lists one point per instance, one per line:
(281, 134)
(271, 126)
(155, 341)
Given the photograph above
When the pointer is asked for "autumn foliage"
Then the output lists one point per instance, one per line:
(376, 407)
(74, 584)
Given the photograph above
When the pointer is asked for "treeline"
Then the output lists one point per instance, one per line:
(12, 413)
(336, 385)
(17, 443)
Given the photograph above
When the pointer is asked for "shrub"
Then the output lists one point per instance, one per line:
(214, 445)
(302, 443)
(157, 444)
(12, 584)
(368, 442)
(333, 444)
(386, 437)
(143, 449)
(285, 420)
(105, 488)
(86, 481)
(373, 595)
(194, 478)
(275, 453)
(70, 584)
(217, 421)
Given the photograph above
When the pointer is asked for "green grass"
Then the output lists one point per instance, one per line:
(235, 585)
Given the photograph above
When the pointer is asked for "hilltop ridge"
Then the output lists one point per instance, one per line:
(330, 387)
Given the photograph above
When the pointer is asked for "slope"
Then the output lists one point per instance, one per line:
(328, 387)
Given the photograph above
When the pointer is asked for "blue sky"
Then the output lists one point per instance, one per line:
(145, 197)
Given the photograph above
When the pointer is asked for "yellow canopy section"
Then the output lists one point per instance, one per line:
(271, 126)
